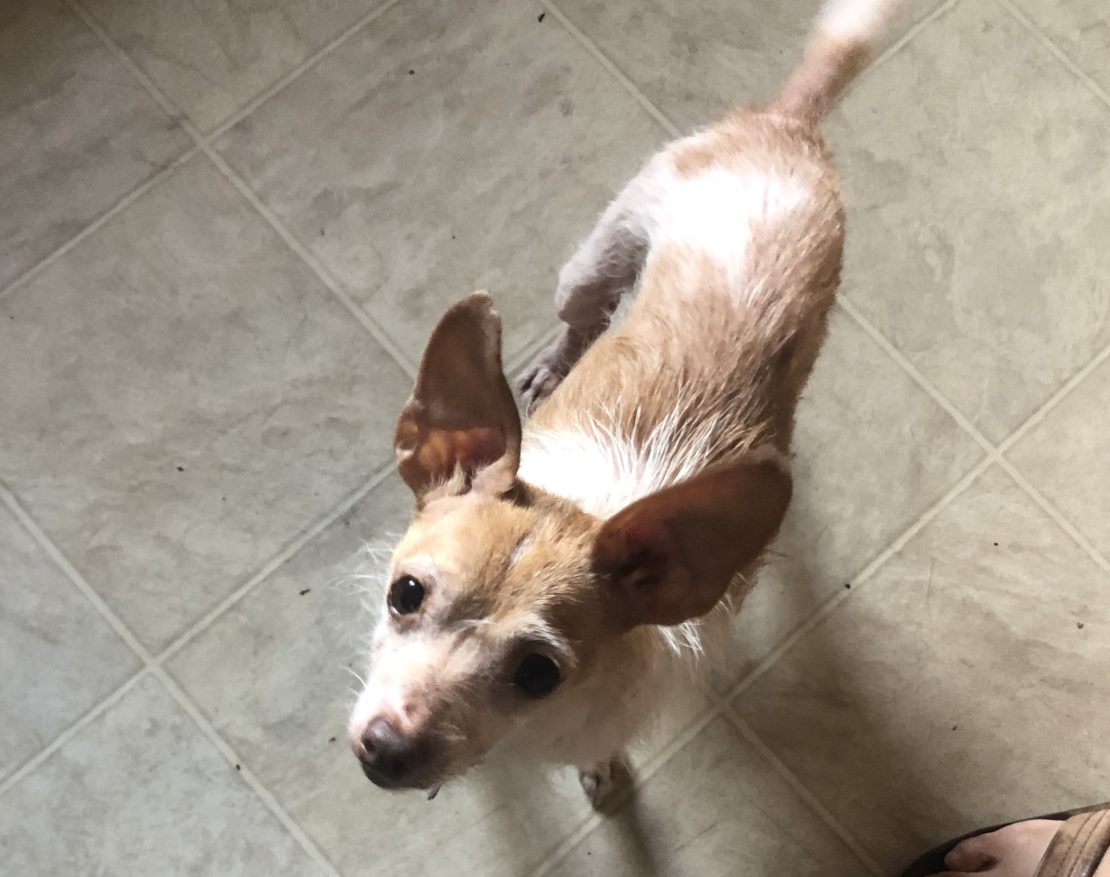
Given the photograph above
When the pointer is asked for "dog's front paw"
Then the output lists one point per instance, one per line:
(607, 784)
(545, 373)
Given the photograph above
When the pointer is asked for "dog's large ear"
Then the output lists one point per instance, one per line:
(670, 556)
(460, 429)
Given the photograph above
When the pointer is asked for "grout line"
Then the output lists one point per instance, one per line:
(994, 452)
(918, 378)
(317, 268)
(1025, 21)
(99, 222)
(650, 769)
(860, 579)
(55, 554)
(592, 47)
(718, 708)
(78, 8)
(1054, 400)
(150, 665)
(314, 264)
(846, 837)
(274, 563)
(926, 518)
(607, 63)
(894, 48)
(1054, 513)
(242, 770)
(72, 731)
(307, 64)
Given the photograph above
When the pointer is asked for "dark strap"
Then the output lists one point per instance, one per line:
(1078, 847)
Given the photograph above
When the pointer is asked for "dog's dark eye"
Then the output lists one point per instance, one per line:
(405, 595)
(536, 676)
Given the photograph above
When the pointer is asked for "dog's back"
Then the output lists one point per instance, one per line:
(736, 237)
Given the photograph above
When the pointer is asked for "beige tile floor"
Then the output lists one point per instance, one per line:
(225, 230)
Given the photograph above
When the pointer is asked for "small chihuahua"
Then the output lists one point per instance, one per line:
(558, 582)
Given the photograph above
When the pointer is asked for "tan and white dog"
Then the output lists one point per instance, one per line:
(558, 582)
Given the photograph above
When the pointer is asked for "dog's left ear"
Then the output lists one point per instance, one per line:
(670, 556)
(460, 429)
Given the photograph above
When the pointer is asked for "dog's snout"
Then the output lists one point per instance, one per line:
(386, 754)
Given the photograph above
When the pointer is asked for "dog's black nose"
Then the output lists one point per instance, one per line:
(387, 753)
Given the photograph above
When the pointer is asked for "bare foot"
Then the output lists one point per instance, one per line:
(606, 783)
(1013, 851)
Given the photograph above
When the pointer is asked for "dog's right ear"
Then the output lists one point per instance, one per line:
(460, 429)
(670, 556)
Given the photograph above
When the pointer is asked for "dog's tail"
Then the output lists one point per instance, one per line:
(845, 40)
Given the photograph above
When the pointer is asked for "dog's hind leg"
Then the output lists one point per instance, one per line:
(591, 285)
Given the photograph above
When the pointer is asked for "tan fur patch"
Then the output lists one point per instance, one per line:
(828, 68)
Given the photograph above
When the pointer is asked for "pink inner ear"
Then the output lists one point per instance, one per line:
(442, 451)
(478, 446)
(631, 546)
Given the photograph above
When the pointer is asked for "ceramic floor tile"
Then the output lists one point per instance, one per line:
(978, 208)
(141, 791)
(60, 658)
(272, 674)
(736, 816)
(78, 133)
(1081, 28)
(1065, 456)
(210, 59)
(861, 478)
(697, 60)
(963, 685)
(470, 151)
(188, 398)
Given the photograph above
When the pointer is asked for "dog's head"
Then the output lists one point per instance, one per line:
(501, 597)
